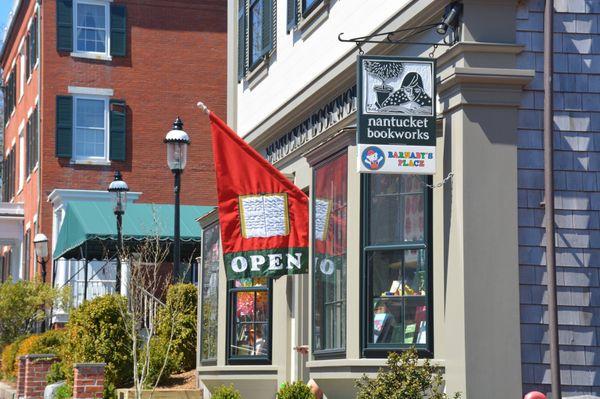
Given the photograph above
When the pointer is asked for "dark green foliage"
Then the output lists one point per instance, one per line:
(55, 374)
(63, 392)
(404, 378)
(158, 353)
(178, 318)
(97, 332)
(224, 392)
(22, 306)
(297, 390)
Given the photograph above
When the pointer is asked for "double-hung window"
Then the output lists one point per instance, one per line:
(32, 141)
(92, 26)
(297, 10)
(209, 312)
(250, 314)
(90, 128)
(396, 264)
(330, 204)
(256, 33)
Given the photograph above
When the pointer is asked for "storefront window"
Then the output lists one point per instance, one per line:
(250, 321)
(330, 203)
(396, 263)
(209, 324)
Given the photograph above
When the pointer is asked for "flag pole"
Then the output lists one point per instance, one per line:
(203, 107)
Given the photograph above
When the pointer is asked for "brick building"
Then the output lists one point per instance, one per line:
(93, 86)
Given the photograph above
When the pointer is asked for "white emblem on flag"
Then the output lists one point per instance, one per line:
(264, 216)
(322, 212)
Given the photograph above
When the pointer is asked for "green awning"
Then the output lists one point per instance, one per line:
(94, 224)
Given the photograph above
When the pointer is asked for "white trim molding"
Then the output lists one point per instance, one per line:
(91, 91)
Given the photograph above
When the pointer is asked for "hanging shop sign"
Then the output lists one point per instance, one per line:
(396, 115)
(263, 216)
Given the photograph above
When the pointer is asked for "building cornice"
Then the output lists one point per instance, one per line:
(61, 196)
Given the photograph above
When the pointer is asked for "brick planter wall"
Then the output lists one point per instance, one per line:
(21, 377)
(33, 370)
(88, 380)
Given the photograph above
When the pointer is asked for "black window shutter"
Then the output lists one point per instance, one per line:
(28, 54)
(28, 148)
(292, 14)
(118, 130)
(64, 25)
(242, 40)
(33, 54)
(118, 30)
(267, 27)
(36, 138)
(64, 126)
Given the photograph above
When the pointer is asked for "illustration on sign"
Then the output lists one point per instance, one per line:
(396, 115)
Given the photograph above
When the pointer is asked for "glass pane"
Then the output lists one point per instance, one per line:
(91, 28)
(251, 323)
(90, 113)
(398, 293)
(309, 3)
(210, 284)
(250, 282)
(396, 209)
(329, 248)
(256, 23)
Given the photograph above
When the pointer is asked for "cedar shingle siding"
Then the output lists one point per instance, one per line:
(577, 185)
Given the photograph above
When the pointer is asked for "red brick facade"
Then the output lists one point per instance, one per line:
(88, 382)
(176, 55)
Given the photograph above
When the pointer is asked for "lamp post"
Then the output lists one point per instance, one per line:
(40, 242)
(119, 190)
(177, 141)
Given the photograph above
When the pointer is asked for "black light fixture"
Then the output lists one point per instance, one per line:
(119, 190)
(40, 243)
(177, 141)
(450, 19)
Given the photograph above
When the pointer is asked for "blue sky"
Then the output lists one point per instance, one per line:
(5, 7)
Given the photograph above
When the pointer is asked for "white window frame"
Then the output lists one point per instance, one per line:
(22, 70)
(21, 150)
(92, 54)
(78, 158)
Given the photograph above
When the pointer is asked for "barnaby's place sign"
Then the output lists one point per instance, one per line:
(396, 115)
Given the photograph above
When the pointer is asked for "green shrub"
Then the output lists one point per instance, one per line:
(97, 332)
(179, 316)
(158, 354)
(297, 390)
(63, 392)
(48, 342)
(404, 378)
(9, 356)
(224, 392)
(22, 305)
(55, 374)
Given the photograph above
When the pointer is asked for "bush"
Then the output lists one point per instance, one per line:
(97, 332)
(179, 316)
(297, 390)
(48, 342)
(158, 354)
(9, 356)
(22, 305)
(55, 374)
(63, 392)
(224, 392)
(404, 378)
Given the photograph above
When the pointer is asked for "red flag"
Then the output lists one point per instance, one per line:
(263, 216)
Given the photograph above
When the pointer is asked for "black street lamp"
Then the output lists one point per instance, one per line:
(119, 190)
(177, 141)
(40, 242)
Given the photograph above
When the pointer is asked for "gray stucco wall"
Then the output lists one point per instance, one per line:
(577, 184)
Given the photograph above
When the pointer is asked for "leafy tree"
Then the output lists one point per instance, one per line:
(404, 378)
(384, 70)
(23, 305)
(297, 390)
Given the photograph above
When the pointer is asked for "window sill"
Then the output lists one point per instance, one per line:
(96, 162)
(375, 363)
(91, 56)
(313, 20)
(260, 71)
